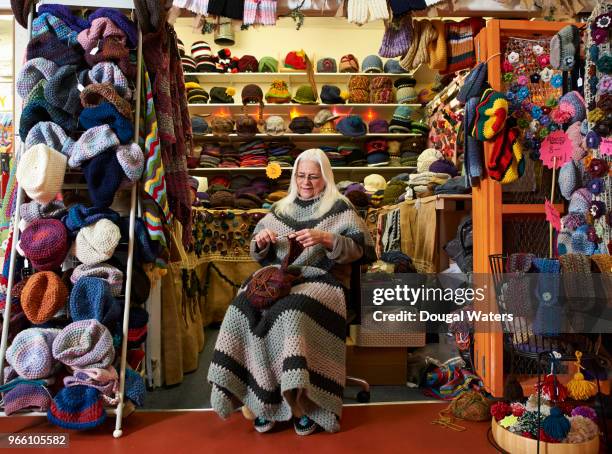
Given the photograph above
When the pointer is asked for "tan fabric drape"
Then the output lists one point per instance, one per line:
(418, 233)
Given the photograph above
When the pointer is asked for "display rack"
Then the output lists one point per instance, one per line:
(301, 137)
(291, 76)
(118, 411)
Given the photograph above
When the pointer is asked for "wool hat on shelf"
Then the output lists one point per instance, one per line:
(564, 47)
(50, 134)
(77, 407)
(427, 158)
(406, 93)
(359, 90)
(80, 216)
(26, 397)
(397, 38)
(91, 298)
(252, 94)
(40, 172)
(268, 65)
(95, 94)
(42, 296)
(31, 211)
(305, 95)
(106, 113)
(246, 126)
(278, 93)
(111, 275)
(30, 353)
(32, 72)
(437, 47)
(199, 126)
(378, 126)
(221, 126)
(349, 64)
(352, 126)
(50, 47)
(569, 179)
(393, 67)
(196, 94)
(84, 344)
(94, 141)
(295, 60)
(115, 51)
(372, 64)
(323, 116)
(200, 50)
(374, 182)
(222, 95)
(127, 26)
(376, 145)
(62, 12)
(38, 109)
(96, 243)
(474, 84)
(381, 90)
(45, 243)
(248, 64)
(571, 108)
(443, 166)
(61, 90)
(301, 125)
(330, 94)
(400, 121)
(275, 125)
(131, 159)
(327, 65)
(491, 113)
(460, 43)
(103, 175)
(189, 64)
(328, 127)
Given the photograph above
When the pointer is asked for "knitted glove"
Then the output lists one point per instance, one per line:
(357, 11)
(378, 9)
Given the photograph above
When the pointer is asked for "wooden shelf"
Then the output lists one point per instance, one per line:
(304, 106)
(388, 169)
(527, 208)
(286, 75)
(301, 137)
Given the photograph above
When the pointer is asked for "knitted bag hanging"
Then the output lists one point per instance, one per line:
(271, 283)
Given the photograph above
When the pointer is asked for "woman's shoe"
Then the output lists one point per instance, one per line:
(304, 425)
(262, 425)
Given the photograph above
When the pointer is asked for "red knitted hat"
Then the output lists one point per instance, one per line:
(295, 60)
(45, 243)
(501, 156)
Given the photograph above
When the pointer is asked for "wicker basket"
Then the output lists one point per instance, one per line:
(517, 444)
(366, 339)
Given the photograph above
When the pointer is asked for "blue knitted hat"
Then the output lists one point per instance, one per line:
(372, 64)
(352, 126)
(134, 387)
(62, 92)
(76, 23)
(581, 243)
(330, 94)
(144, 249)
(92, 142)
(91, 298)
(47, 23)
(37, 110)
(568, 179)
(50, 134)
(199, 126)
(103, 175)
(473, 147)
(474, 84)
(378, 158)
(564, 242)
(106, 113)
(80, 216)
(393, 67)
(77, 407)
(400, 122)
(51, 48)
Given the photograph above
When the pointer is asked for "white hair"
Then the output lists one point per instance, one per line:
(330, 195)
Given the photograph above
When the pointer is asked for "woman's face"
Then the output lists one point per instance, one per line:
(309, 179)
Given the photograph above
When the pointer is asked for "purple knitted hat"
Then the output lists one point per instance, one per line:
(63, 13)
(32, 72)
(102, 28)
(92, 142)
(113, 276)
(50, 134)
(397, 37)
(131, 160)
(26, 397)
(45, 243)
(443, 166)
(121, 20)
(580, 201)
(103, 175)
(378, 126)
(51, 48)
(84, 344)
(31, 211)
(30, 353)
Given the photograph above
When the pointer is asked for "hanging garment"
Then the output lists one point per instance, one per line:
(260, 12)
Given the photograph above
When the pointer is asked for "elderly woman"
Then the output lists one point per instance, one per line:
(288, 361)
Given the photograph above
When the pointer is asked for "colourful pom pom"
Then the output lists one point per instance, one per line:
(556, 425)
(500, 410)
(552, 389)
(344, 95)
(517, 408)
(230, 91)
(508, 421)
(586, 412)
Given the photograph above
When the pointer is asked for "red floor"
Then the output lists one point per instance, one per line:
(372, 429)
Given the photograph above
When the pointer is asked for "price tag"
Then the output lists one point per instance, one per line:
(94, 51)
(556, 145)
(552, 215)
(273, 170)
(80, 87)
(605, 147)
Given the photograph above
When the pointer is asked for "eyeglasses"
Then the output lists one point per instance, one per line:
(301, 176)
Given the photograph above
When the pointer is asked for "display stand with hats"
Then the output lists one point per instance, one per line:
(77, 322)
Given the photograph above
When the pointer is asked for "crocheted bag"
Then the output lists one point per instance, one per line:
(271, 283)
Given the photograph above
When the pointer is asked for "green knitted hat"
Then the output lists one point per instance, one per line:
(305, 95)
(278, 93)
(392, 192)
(268, 65)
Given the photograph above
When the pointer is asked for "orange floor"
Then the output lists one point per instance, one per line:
(372, 429)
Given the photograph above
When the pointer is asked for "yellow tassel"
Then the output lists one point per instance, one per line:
(230, 91)
(344, 95)
(578, 388)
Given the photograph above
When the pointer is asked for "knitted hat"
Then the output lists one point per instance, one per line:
(103, 175)
(330, 94)
(572, 107)
(221, 125)
(77, 407)
(104, 271)
(474, 83)
(491, 115)
(40, 172)
(94, 141)
(501, 157)
(33, 210)
(406, 93)
(131, 159)
(80, 216)
(564, 242)
(427, 158)
(106, 113)
(327, 65)
(437, 47)
(568, 179)
(109, 72)
(74, 22)
(268, 65)
(393, 67)
(26, 397)
(352, 126)
(400, 122)
(372, 64)
(275, 125)
(323, 116)
(246, 126)
(42, 296)
(378, 126)
(374, 182)
(580, 202)
(115, 51)
(96, 243)
(460, 43)
(122, 21)
(278, 93)
(252, 94)
(196, 94)
(295, 60)
(200, 50)
(393, 190)
(38, 109)
(61, 91)
(473, 148)
(91, 298)
(84, 344)
(50, 47)
(563, 48)
(443, 166)
(50, 134)
(248, 64)
(301, 125)
(397, 37)
(349, 64)
(221, 95)
(45, 243)
(32, 72)
(30, 353)
(305, 95)
(189, 64)
(100, 29)
(199, 126)
(94, 94)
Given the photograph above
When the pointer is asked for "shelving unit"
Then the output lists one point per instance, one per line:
(302, 137)
(288, 76)
(362, 170)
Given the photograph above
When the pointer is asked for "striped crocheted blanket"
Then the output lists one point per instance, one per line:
(293, 354)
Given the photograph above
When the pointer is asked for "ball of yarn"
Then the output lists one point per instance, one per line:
(556, 425)
(532, 405)
(581, 429)
(585, 411)
(499, 410)
(471, 406)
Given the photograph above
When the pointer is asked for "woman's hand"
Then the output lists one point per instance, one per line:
(265, 237)
(312, 237)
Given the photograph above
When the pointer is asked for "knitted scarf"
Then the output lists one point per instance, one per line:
(294, 352)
